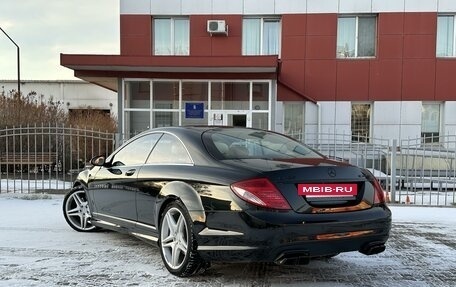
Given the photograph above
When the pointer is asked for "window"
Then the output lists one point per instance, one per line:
(293, 119)
(445, 36)
(360, 122)
(171, 36)
(356, 36)
(136, 152)
(239, 143)
(430, 123)
(260, 36)
(169, 150)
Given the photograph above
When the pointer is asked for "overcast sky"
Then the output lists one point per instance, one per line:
(45, 28)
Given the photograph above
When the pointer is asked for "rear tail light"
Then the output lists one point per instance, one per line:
(379, 196)
(261, 192)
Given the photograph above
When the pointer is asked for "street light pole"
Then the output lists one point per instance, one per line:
(18, 62)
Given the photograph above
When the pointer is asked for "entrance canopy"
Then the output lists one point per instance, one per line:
(105, 70)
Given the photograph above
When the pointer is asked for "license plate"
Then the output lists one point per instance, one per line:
(328, 189)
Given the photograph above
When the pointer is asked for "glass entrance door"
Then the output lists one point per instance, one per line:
(230, 118)
(236, 120)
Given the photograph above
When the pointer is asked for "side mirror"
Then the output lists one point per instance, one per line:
(98, 160)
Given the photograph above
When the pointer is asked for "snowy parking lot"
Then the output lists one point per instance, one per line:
(38, 248)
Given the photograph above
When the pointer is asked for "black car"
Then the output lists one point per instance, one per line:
(230, 194)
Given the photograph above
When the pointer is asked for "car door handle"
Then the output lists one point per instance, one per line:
(130, 172)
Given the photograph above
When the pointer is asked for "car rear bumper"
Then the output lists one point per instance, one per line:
(242, 238)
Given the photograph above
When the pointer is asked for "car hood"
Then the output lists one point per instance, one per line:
(266, 165)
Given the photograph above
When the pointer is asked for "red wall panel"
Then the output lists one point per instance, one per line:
(231, 46)
(322, 24)
(418, 79)
(419, 46)
(420, 23)
(352, 80)
(292, 74)
(293, 47)
(294, 25)
(320, 78)
(405, 66)
(285, 94)
(135, 35)
(390, 46)
(321, 47)
(385, 80)
(445, 86)
(390, 23)
(203, 44)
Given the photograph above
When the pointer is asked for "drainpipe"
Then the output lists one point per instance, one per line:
(318, 123)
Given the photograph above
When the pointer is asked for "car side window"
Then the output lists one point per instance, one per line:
(169, 150)
(136, 152)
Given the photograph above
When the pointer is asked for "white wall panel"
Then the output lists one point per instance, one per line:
(311, 113)
(343, 131)
(270, 7)
(263, 7)
(135, 7)
(420, 5)
(387, 6)
(410, 132)
(411, 113)
(335, 113)
(322, 6)
(390, 132)
(311, 131)
(446, 6)
(355, 6)
(327, 113)
(343, 113)
(278, 117)
(449, 113)
(290, 6)
(328, 132)
(168, 7)
(227, 7)
(191, 7)
(393, 116)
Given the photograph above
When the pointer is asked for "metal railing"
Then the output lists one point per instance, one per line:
(47, 157)
(417, 171)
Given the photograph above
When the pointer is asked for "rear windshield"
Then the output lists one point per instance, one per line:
(240, 143)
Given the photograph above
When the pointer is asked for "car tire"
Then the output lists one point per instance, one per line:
(177, 241)
(76, 210)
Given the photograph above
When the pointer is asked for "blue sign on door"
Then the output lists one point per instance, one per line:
(194, 110)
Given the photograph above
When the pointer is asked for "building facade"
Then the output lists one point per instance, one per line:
(366, 68)
(71, 95)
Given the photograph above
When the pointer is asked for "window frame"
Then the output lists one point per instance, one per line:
(357, 137)
(172, 36)
(264, 19)
(357, 17)
(131, 143)
(431, 137)
(171, 161)
(453, 54)
(299, 106)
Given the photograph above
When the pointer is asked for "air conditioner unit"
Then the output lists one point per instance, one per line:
(217, 27)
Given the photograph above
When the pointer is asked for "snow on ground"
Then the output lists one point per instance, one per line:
(38, 248)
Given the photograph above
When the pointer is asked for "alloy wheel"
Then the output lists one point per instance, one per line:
(174, 238)
(77, 211)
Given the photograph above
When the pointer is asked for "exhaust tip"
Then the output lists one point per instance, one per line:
(296, 257)
(373, 248)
